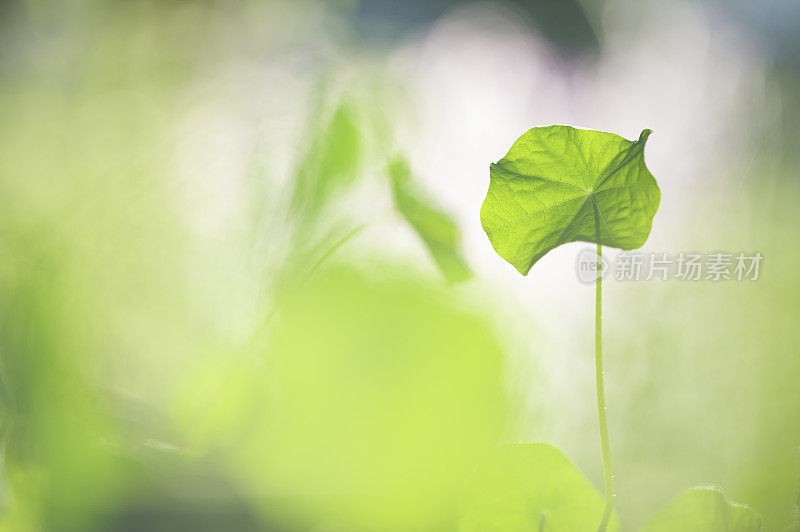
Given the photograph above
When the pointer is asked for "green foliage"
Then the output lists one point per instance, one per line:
(524, 488)
(333, 157)
(437, 230)
(555, 181)
(80, 229)
(559, 184)
(378, 397)
(336, 150)
(704, 509)
(371, 397)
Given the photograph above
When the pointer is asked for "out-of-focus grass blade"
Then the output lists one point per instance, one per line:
(437, 229)
(332, 160)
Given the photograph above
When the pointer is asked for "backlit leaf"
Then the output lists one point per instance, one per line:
(556, 181)
(530, 488)
(704, 509)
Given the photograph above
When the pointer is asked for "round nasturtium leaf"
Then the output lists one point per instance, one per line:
(704, 509)
(558, 183)
(530, 488)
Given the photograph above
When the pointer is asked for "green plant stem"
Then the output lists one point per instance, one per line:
(601, 395)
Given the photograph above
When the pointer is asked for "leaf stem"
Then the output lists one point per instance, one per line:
(599, 377)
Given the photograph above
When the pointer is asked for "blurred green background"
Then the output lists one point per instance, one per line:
(244, 285)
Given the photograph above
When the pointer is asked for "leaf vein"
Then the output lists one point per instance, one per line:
(528, 215)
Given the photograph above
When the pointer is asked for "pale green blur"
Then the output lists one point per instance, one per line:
(216, 312)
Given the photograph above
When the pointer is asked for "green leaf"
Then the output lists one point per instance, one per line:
(363, 396)
(437, 230)
(528, 488)
(704, 509)
(556, 182)
(332, 160)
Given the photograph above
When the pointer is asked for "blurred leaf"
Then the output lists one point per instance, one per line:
(704, 509)
(56, 439)
(552, 184)
(524, 488)
(332, 159)
(380, 395)
(436, 229)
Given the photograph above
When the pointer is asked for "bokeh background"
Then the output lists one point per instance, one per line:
(244, 285)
